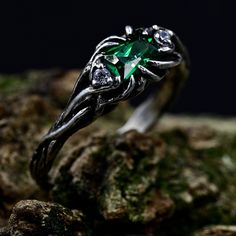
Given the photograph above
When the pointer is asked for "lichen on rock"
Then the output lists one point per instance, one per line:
(178, 179)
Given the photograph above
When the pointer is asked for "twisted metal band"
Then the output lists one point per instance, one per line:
(97, 91)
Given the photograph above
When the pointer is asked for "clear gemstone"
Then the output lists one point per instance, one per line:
(162, 36)
(101, 77)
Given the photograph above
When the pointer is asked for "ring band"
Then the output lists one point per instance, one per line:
(120, 69)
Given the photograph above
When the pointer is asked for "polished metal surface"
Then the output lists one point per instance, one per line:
(97, 91)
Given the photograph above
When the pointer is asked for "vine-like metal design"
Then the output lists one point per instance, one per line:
(97, 91)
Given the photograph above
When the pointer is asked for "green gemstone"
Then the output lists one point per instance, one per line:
(124, 59)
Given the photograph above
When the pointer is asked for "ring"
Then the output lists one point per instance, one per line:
(120, 69)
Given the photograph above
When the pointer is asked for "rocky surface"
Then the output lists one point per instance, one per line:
(220, 230)
(178, 179)
(32, 217)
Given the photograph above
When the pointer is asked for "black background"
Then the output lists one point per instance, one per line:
(37, 34)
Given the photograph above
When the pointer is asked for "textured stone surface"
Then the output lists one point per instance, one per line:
(32, 217)
(121, 174)
(169, 178)
(176, 180)
(220, 230)
(21, 126)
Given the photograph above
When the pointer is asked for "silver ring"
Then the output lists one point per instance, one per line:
(120, 69)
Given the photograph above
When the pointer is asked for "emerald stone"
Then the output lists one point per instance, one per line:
(124, 59)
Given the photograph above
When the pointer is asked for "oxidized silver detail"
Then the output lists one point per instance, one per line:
(97, 91)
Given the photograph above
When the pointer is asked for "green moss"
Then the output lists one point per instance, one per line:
(168, 176)
(11, 84)
(204, 162)
(62, 222)
(64, 193)
(176, 137)
(104, 152)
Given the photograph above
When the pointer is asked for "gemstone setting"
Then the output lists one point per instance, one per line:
(123, 60)
(101, 77)
(162, 37)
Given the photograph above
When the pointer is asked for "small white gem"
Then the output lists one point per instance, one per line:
(101, 77)
(162, 37)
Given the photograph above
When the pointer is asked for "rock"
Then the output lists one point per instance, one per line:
(57, 84)
(174, 180)
(31, 217)
(219, 230)
(117, 175)
(146, 178)
(21, 127)
(61, 87)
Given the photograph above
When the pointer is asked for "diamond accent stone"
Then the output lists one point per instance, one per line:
(101, 77)
(162, 37)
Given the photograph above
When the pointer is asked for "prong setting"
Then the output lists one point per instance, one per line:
(141, 56)
(163, 39)
(155, 27)
(161, 36)
(128, 30)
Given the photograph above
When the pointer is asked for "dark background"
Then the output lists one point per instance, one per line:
(37, 34)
